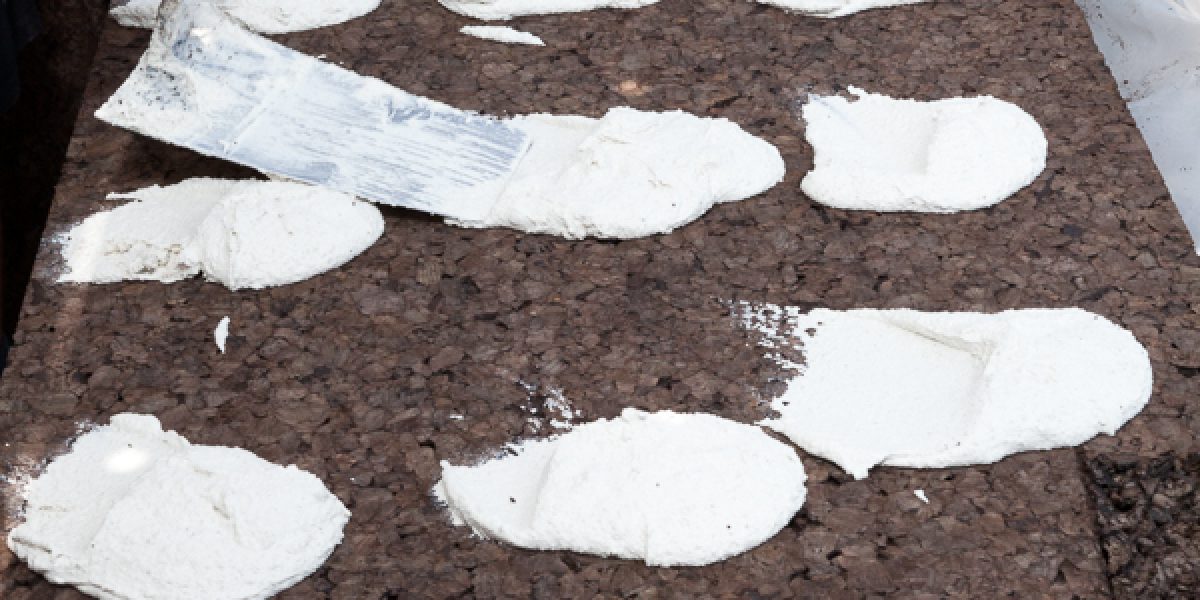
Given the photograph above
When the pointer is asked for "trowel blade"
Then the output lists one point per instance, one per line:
(208, 84)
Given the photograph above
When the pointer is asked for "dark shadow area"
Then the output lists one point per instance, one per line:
(35, 132)
(1149, 516)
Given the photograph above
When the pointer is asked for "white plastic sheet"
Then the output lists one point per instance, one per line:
(1153, 50)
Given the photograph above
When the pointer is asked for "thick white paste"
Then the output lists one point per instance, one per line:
(629, 174)
(666, 488)
(920, 389)
(243, 234)
(492, 10)
(507, 35)
(884, 154)
(221, 334)
(835, 8)
(135, 512)
(263, 16)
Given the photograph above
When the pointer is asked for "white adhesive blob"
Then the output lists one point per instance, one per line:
(507, 35)
(920, 494)
(835, 8)
(884, 154)
(221, 333)
(264, 16)
(492, 10)
(666, 488)
(135, 512)
(919, 389)
(629, 174)
(243, 234)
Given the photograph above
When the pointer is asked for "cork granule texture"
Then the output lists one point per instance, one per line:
(355, 375)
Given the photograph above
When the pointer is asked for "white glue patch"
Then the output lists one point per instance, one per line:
(884, 154)
(629, 174)
(507, 35)
(135, 512)
(221, 333)
(918, 389)
(920, 494)
(493, 10)
(243, 234)
(835, 8)
(263, 16)
(666, 488)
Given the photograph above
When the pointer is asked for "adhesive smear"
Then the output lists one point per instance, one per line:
(920, 389)
(629, 174)
(135, 512)
(884, 154)
(263, 16)
(667, 488)
(243, 234)
(507, 35)
(491, 10)
(835, 8)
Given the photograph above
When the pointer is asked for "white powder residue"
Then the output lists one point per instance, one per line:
(548, 406)
(917, 389)
(21, 469)
(559, 409)
(263, 16)
(135, 512)
(886, 154)
(243, 234)
(507, 35)
(835, 8)
(629, 174)
(221, 333)
(776, 326)
(666, 488)
(920, 494)
(492, 10)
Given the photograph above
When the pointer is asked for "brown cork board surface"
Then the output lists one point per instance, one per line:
(354, 375)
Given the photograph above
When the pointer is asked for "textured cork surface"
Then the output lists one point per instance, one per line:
(355, 375)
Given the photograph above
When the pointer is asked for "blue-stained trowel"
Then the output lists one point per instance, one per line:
(208, 84)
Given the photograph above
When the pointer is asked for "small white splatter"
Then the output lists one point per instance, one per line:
(221, 333)
(507, 35)
(921, 494)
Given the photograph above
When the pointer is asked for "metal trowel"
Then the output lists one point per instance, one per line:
(208, 84)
